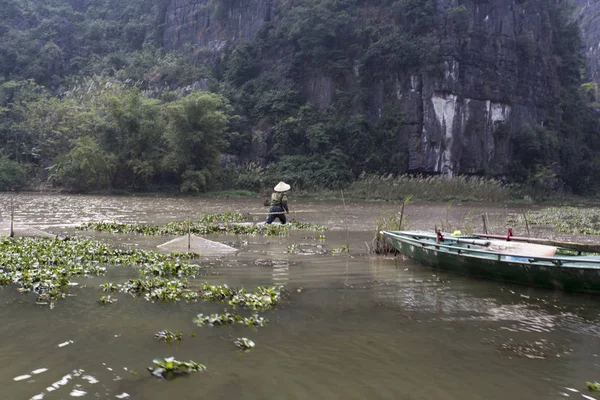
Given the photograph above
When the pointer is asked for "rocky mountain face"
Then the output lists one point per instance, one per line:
(496, 74)
(588, 15)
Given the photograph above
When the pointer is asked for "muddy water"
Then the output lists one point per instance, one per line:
(353, 327)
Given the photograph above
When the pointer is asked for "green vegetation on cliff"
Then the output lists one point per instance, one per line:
(90, 100)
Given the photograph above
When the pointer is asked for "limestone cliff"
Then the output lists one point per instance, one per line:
(496, 74)
(205, 27)
(588, 15)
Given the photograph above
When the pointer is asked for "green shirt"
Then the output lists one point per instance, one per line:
(279, 199)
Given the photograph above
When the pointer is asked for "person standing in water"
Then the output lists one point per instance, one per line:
(279, 203)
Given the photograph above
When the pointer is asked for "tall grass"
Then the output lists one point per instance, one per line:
(431, 188)
(379, 244)
(393, 222)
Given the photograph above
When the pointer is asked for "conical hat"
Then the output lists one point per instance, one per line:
(282, 187)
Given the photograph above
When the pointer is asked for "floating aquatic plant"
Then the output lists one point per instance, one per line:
(169, 268)
(222, 217)
(170, 368)
(159, 289)
(109, 287)
(228, 319)
(593, 386)
(338, 250)
(244, 344)
(106, 300)
(307, 226)
(199, 228)
(261, 299)
(168, 336)
(572, 220)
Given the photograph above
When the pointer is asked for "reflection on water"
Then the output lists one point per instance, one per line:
(351, 326)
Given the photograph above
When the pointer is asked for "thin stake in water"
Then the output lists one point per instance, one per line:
(189, 235)
(346, 222)
(485, 229)
(12, 215)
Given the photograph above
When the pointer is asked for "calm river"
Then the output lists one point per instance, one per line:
(353, 326)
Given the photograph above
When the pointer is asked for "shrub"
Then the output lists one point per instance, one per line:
(12, 174)
(85, 168)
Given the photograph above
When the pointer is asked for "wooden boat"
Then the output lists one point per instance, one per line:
(519, 262)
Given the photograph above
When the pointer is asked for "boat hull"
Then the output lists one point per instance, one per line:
(583, 278)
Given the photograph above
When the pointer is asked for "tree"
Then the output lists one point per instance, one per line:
(194, 135)
(85, 168)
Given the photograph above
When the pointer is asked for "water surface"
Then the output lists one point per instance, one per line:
(351, 327)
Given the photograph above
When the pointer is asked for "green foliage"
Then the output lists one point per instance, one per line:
(535, 150)
(459, 17)
(61, 39)
(579, 122)
(432, 188)
(416, 16)
(526, 45)
(244, 344)
(397, 51)
(229, 319)
(242, 64)
(134, 135)
(590, 91)
(194, 181)
(12, 174)
(194, 136)
(328, 170)
(47, 266)
(113, 94)
(170, 368)
(319, 30)
(168, 336)
(199, 228)
(87, 167)
(338, 250)
(572, 220)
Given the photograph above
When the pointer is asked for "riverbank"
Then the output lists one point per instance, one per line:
(419, 188)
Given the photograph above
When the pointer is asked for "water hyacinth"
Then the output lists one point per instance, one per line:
(109, 287)
(106, 300)
(170, 368)
(228, 319)
(572, 220)
(244, 344)
(168, 336)
(169, 268)
(338, 250)
(159, 289)
(261, 299)
(593, 386)
(198, 228)
(48, 266)
(222, 217)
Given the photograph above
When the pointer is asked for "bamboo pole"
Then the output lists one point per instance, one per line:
(401, 214)
(526, 223)
(485, 229)
(346, 222)
(189, 235)
(12, 215)
(277, 212)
